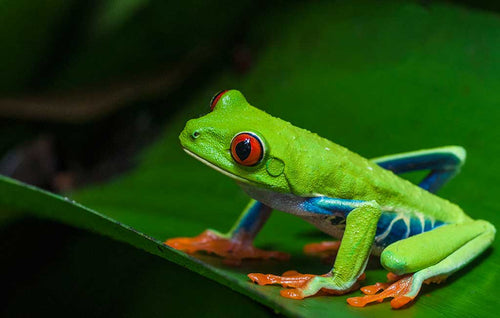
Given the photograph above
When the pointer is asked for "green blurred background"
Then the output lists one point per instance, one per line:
(94, 93)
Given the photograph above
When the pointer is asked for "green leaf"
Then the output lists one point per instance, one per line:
(58, 269)
(128, 38)
(376, 78)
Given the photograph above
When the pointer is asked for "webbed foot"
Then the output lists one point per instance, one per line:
(400, 291)
(302, 285)
(326, 250)
(233, 250)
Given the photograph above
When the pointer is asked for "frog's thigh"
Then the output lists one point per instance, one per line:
(438, 252)
(444, 163)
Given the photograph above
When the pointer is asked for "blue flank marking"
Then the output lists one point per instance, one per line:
(428, 225)
(384, 222)
(415, 226)
(438, 224)
(399, 229)
(327, 206)
(398, 232)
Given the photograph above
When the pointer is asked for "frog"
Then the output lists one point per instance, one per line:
(365, 205)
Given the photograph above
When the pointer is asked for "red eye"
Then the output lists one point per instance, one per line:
(216, 98)
(247, 149)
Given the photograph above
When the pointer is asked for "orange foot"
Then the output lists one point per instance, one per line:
(325, 250)
(398, 290)
(232, 250)
(297, 281)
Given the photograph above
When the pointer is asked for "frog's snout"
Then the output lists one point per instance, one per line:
(192, 134)
(189, 134)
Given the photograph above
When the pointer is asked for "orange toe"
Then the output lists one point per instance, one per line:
(292, 279)
(293, 293)
(288, 279)
(298, 283)
(391, 277)
(326, 246)
(207, 241)
(397, 290)
(325, 250)
(373, 289)
(400, 301)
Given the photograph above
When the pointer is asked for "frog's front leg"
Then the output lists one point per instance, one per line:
(237, 243)
(429, 257)
(354, 250)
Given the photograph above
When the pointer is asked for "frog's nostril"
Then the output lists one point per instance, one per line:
(195, 134)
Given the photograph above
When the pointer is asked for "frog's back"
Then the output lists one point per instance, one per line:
(407, 209)
(315, 167)
(340, 173)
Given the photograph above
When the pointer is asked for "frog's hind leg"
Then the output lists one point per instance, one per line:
(444, 163)
(429, 257)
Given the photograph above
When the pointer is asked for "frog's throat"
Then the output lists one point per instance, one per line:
(211, 165)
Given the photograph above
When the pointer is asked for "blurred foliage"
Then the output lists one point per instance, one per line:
(377, 78)
(144, 35)
(72, 44)
(27, 34)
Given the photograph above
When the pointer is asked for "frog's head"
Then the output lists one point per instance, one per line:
(238, 140)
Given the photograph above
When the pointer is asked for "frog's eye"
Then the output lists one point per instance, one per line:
(216, 98)
(247, 149)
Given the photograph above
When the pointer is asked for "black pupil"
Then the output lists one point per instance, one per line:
(243, 149)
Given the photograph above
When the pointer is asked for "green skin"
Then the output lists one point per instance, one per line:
(320, 167)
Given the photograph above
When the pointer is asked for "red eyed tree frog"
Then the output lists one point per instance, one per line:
(419, 236)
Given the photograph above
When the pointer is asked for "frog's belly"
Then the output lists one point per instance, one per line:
(391, 227)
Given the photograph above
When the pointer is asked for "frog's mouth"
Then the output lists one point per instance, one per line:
(211, 165)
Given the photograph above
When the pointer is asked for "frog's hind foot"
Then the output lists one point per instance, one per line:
(292, 279)
(326, 250)
(288, 279)
(232, 250)
(401, 291)
(296, 282)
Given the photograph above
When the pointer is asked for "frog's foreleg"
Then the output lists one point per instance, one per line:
(327, 250)
(428, 257)
(237, 243)
(444, 163)
(251, 220)
(361, 225)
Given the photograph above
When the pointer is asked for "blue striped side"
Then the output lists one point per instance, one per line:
(327, 206)
(393, 227)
